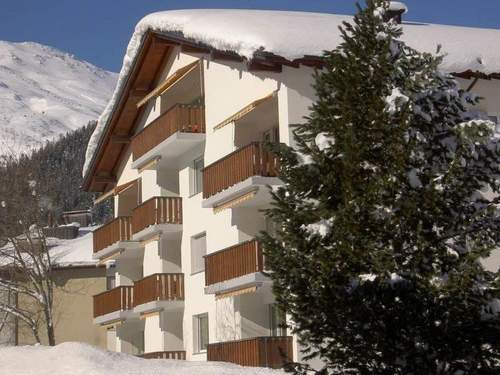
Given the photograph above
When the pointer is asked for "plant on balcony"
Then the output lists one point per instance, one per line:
(389, 203)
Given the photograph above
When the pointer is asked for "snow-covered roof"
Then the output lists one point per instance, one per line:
(293, 35)
(73, 253)
(76, 252)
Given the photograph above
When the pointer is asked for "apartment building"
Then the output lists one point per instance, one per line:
(179, 149)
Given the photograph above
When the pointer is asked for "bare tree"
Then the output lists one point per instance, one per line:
(25, 261)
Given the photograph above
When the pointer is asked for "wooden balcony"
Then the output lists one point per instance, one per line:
(234, 261)
(159, 287)
(181, 355)
(117, 299)
(119, 229)
(157, 210)
(180, 118)
(251, 160)
(271, 352)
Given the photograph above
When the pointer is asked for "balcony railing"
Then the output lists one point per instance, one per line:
(159, 287)
(165, 355)
(117, 299)
(251, 160)
(234, 261)
(116, 230)
(180, 118)
(271, 352)
(157, 210)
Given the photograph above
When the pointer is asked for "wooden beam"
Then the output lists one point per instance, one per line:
(261, 65)
(226, 55)
(275, 59)
(164, 42)
(195, 49)
(104, 180)
(120, 139)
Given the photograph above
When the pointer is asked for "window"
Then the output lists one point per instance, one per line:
(277, 321)
(198, 251)
(271, 135)
(197, 176)
(110, 282)
(200, 342)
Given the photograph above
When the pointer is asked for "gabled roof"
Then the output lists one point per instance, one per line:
(266, 40)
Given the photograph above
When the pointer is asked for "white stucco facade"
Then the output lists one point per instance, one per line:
(225, 88)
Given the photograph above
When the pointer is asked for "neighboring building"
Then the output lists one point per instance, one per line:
(82, 217)
(77, 278)
(180, 149)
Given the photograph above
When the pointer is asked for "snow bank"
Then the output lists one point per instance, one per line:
(294, 35)
(83, 359)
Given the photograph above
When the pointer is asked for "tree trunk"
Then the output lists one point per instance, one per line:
(51, 337)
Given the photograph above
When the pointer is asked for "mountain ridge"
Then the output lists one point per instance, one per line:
(45, 93)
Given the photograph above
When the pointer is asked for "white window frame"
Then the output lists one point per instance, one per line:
(197, 333)
(194, 240)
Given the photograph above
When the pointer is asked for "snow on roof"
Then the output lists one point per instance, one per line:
(75, 252)
(293, 35)
(83, 359)
(397, 5)
(66, 253)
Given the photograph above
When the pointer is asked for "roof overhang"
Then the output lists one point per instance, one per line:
(154, 53)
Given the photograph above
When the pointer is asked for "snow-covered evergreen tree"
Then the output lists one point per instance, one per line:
(388, 205)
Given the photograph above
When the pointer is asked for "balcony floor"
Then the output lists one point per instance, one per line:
(256, 184)
(115, 316)
(170, 149)
(119, 250)
(159, 306)
(167, 230)
(256, 279)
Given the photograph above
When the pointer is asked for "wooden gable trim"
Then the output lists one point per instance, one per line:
(112, 144)
(245, 111)
(171, 80)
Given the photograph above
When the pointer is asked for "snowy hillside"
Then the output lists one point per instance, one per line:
(83, 359)
(45, 92)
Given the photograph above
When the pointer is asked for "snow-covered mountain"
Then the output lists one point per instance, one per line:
(45, 92)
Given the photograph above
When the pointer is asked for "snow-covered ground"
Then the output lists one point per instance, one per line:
(45, 92)
(83, 359)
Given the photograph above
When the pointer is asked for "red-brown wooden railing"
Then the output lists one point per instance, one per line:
(157, 210)
(116, 230)
(117, 299)
(234, 261)
(271, 352)
(251, 160)
(180, 118)
(159, 287)
(179, 354)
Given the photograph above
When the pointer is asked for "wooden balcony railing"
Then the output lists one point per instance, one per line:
(181, 355)
(117, 299)
(234, 261)
(251, 160)
(116, 230)
(159, 287)
(157, 210)
(180, 118)
(271, 352)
